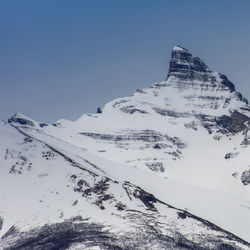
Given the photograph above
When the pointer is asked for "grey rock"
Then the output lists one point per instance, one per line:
(245, 177)
(22, 121)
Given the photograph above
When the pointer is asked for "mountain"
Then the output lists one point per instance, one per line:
(166, 168)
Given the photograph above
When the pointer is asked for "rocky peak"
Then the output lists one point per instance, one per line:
(187, 67)
(21, 119)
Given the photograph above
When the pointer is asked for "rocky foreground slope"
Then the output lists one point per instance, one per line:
(166, 168)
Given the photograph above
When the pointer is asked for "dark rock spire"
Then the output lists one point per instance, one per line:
(188, 67)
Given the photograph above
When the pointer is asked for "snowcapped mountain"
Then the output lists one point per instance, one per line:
(167, 168)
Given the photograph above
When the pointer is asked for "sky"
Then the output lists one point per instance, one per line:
(61, 59)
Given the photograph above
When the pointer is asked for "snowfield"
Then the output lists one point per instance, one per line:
(167, 167)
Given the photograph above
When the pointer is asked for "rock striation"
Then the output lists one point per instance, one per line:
(188, 67)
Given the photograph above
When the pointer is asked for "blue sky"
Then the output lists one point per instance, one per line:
(60, 59)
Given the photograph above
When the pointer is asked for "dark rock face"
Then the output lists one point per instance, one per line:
(16, 119)
(1, 223)
(230, 155)
(99, 110)
(43, 125)
(146, 135)
(132, 109)
(245, 142)
(146, 198)
(149, 235)
(91, 235)
(234, 123)
(187, 67)
(227, 83)
(165, 112)
(245, 177)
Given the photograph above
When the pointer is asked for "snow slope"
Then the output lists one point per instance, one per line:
(182, 142)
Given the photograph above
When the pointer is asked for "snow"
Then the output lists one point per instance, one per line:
(178, 48)
(223, 209)
(195, 175)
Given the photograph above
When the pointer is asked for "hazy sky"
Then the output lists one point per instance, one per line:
(60, 59)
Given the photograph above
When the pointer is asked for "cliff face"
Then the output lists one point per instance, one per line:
(187, 67)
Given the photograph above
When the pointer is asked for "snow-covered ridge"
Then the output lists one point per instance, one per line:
(101, 191)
